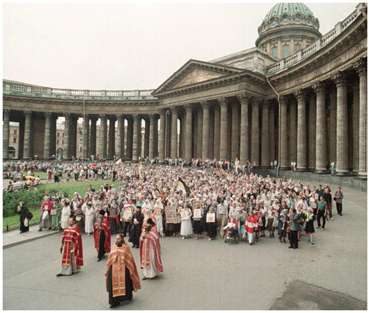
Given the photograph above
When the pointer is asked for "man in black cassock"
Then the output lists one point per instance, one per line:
(135, 232)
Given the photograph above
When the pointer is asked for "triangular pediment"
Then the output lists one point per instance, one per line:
(194, 72)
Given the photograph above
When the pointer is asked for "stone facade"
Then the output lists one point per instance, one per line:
(308, 108)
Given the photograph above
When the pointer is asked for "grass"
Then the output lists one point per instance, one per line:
(72, 186)
(12, 222)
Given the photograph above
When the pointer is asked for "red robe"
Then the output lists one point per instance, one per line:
(150, 241)
(104, 227)
(72, 237)
(250, 224)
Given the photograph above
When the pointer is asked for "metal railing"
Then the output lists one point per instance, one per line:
(317, 45)
(14, 88)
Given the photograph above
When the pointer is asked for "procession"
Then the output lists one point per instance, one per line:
(202, 201)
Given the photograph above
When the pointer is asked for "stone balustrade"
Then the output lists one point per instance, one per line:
(12, 88)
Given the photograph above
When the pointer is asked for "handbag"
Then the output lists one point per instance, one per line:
(25, 222)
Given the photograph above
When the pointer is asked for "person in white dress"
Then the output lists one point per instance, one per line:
(186, 228)
(66, 213)
(89, 212)
(158, 209)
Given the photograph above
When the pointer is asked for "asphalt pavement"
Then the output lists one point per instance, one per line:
(202, 274)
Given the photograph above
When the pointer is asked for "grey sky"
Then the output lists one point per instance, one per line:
(127, 45)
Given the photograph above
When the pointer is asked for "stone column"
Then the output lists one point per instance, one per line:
(194, 133)
(103, 125)
(121, 136)
(301, 132)
(244, 143)
(67, 136)
(265, 138)
(312, 133)
(180, 137)
(211, 132)
(73, 136)
(6, 118)
(27, 151)
(272, 132)
(85, 137)
(93, 137)
(135, 145)
(355, 124)
(47, 135)
(151, 138)
(167, 136)
(333, 125)
(161, 139)
(362, 165)
(146, 137)
(129, 141)
(223, 128)
(342, 125)
(111, 137)
(293, 132)
(205, 131)
(235, 130)
(53, 135)
(216, 137)
(255, 140)
(174, 133)
(321, 155)
(199, 133)
(283, 138)
(188, 133)
(21, 139)
(155, 148)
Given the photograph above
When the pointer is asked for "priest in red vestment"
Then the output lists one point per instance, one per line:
(150, 252)
(71, 249)
(102, 235)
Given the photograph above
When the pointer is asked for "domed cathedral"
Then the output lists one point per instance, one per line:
(287, 28)
(297, 99)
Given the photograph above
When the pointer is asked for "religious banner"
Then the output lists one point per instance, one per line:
(211, 217)
(197, 213)
(171, 215)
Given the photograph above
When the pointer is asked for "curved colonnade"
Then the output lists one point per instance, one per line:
(309, 108)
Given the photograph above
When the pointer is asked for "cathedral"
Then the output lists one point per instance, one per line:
(298, 96)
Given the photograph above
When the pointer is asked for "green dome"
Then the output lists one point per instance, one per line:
(285, 14)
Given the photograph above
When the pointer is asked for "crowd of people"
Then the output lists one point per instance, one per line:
(198, 201)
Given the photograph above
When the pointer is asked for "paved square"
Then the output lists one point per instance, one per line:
(199, 274)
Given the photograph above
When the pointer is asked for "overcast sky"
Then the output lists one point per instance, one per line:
(127, 45)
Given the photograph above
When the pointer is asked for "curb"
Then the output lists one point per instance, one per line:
(9, 245)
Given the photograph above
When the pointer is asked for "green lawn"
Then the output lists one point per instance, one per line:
(72, 186)
(12, 222)
(69, 187)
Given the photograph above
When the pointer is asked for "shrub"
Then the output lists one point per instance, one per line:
(31, 199)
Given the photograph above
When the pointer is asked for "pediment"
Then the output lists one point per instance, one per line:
(196, 75)
(194, 72)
